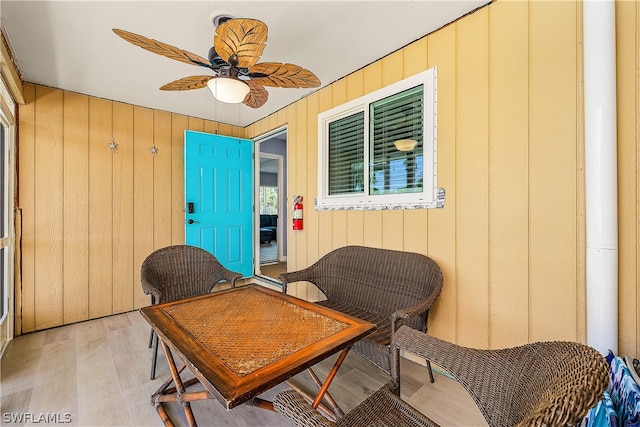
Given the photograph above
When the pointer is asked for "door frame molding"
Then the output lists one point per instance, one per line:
(280, 234)
(282, 197)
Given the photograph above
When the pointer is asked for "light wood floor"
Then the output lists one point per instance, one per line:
(98, 373)
(273, 270)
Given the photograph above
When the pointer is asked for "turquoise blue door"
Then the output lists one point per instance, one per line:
(219, 198)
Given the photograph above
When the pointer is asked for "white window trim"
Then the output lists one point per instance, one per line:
(431, 197)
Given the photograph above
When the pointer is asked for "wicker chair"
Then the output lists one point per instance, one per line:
(385, 287)
(541, 384)
(177, 272)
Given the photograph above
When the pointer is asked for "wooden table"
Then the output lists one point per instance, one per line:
(241, 342)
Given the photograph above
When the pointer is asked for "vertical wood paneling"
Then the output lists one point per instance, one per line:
(123, 232)
(142, 196)
(161, 179)
(627, 23)
(441, 225)
(508, 174)
(552, 163)
(310, 214)
(196, 124)
(414, 239)
(89, 215)
(100, 207)
(25, 299)
(211, 127)
(294, 249)
(581, 234)
(298, 161)
(325, 219)
(76, 207)
(372, 220)
(633, 141)
(472, 240)
(339, 217)
(355, 219)
(48, 249)
(179, 124)
(393, 220)
(509, 157)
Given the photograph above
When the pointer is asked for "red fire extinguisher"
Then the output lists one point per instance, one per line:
(297, 213)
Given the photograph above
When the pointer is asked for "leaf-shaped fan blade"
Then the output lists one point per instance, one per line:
(162, 48)
(257, 95)
(240, 42)
(188, 83)
(276, 74)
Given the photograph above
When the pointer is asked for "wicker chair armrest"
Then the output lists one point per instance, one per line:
(230, 276)
(424, 345)
(411, 312)
(306, 274)
(292, 405)
(150, 289)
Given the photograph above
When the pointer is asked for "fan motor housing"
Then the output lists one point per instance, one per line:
(219, 18)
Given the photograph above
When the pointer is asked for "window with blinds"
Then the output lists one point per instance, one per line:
(346, 155)
(396, 118)
(379, 151)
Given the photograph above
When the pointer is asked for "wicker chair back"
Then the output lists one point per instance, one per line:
(552, 383)
(178, 272)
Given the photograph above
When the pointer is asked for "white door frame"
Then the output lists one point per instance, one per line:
(282, 202)
(280, 232)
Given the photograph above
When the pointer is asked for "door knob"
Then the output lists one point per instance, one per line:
(191, 221)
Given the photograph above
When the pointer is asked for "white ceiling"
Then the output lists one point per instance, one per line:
(70, 45)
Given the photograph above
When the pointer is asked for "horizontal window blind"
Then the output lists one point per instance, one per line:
(397, 117)
(346, 155)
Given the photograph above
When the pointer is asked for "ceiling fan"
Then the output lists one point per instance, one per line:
(238, 77)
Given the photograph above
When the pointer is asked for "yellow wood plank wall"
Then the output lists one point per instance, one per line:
(510, 155)
(89, 215)
(628, 98)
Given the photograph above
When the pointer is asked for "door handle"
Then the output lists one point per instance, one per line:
(191, 221)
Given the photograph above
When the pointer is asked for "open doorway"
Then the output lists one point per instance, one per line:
(271, 205)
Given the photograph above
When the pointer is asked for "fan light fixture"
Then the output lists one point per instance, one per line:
(228, 89)
(405, 144)
(237, 46)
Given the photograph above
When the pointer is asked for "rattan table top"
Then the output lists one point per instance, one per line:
(245, 340)
(275, 328)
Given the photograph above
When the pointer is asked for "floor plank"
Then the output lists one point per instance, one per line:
(98, 372)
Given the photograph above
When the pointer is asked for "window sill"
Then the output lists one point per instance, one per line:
(438, 203)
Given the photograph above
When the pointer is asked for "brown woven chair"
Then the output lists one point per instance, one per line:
(382, 409)
(177, 272)
(385, 287)
(541, 384)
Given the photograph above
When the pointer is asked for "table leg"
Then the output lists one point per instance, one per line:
(337, 411)
(329, 414)
(327, 383)
(175, 375)
(323, 390)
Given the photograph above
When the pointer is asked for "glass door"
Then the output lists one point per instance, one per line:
(7, 234)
